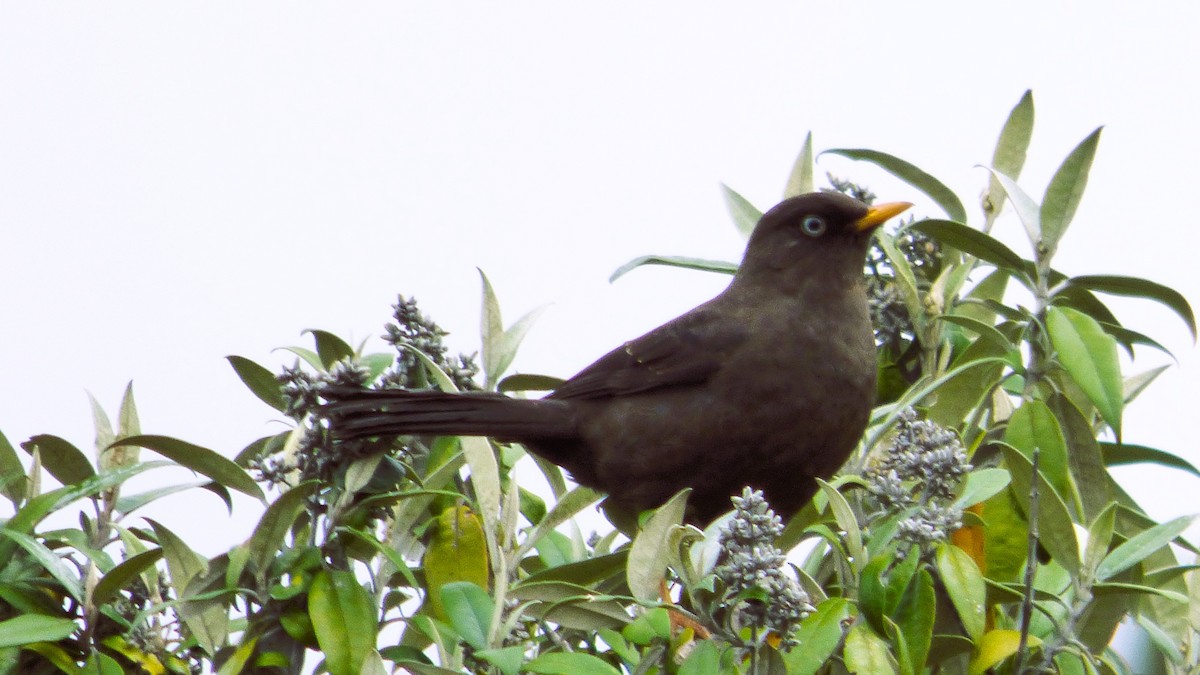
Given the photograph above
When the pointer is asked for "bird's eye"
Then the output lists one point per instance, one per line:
(813, 226)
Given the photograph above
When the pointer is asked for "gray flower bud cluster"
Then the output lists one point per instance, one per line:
(749, 559)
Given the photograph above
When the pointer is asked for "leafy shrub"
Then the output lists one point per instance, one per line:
(976, 528)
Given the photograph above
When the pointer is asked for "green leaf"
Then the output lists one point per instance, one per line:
(260, 381)
(1090, 356)
(583, 572)
(64, 461)
(1136, 384)
(965, 586)
(571, 605)
(120, 576)
(1033, 426)
(30, 628)
(983, 330)
(49, 561)
(980, 485)
(529, 382)
(1027, 210)
(1009, 156)
(507, 659)
(1088, 475)
(1065, 192)
(914, 617)
(201, 460)
(1055, 530)
(275, 523)
(707, 658)
(12, 473)
(330, 348)
(1116, 454)
(800, 181)
(818, 637)
(701, 264)
(994, 647)
(745, 215)
(867, 652)
(38, 508)
(906, 281)
(183, 564)
(992, 287)
(457, 553)
(127, 504)
(469, 609)
(932, 187)
(649, 554)
(972, 242)
(1162, 641)
(1140, 546)
(499, 345)
(344, 620)
(570, 663)
(847, 522)
(1100, 534)
(1140, 288)
(564, 509)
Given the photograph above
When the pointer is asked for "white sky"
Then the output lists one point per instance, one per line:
(179, 182)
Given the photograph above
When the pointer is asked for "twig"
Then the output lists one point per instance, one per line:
(1030, 567)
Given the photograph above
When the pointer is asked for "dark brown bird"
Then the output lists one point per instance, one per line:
(769, 384)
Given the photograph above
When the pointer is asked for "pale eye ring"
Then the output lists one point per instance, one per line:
(813, 226)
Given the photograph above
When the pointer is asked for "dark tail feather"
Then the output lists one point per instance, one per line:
(362, 413)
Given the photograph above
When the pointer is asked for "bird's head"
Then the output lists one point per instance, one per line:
(815, 234)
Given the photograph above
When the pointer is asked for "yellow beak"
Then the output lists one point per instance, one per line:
(879, 214)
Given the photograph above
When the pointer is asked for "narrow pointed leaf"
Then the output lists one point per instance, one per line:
(994, 647)
(965, 586)
(30, 628)
(1136, 384)
(1090, 356)
(570, 663)
(183, 564)
(201, 460)
(1009, 156)
(344, 620)
(63, 460)
(49, 561)
(12, 472)
(932, 187)
(800, 181)
(123, 574)
(819, 635)
(469, 611)
(1065, 191)
(275, 523)
(867, 652)
(1033, 426)
(1055, 529)
(1116, 454)
(649, 554)
(260, 381)
(701, 264)
(1090, 478)
(330, 348)
(1027, 210)
(745, 215)
(972, 242)
(1138, 547)
(1140, 288)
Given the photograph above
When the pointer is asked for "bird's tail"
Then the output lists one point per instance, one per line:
(361, 413)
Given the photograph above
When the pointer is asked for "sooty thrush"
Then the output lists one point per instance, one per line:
(769, 384)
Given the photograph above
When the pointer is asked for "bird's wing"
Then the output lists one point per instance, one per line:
(687, 350)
